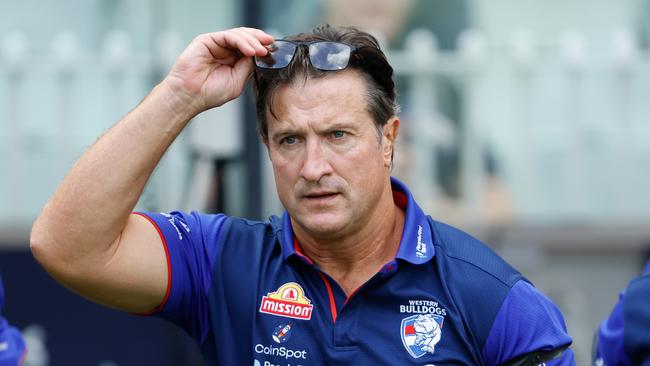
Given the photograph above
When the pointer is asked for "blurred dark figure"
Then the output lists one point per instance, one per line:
(12, 345)
(624, 337)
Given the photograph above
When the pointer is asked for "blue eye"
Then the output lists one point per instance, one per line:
(289, 140)
(338, 134)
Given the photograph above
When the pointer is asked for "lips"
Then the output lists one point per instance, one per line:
(320, 195)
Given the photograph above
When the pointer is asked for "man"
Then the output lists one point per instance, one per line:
(624, 337)
(353, 273)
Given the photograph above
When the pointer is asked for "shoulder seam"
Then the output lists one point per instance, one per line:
(480, 268)
(442, 249)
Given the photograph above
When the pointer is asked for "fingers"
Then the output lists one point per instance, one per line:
(264, 37)
(256, 39)
(248, 41)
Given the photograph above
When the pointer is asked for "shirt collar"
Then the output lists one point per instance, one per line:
(416, 245)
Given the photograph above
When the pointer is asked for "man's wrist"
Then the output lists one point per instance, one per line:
(182, 105)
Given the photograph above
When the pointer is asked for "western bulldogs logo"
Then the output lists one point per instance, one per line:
(421, 333)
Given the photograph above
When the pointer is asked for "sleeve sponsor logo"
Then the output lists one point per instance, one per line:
(288, 301)
(172, 220)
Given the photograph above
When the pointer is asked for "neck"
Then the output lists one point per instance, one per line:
(354, 259)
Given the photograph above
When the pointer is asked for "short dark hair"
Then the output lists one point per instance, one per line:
(367, 58)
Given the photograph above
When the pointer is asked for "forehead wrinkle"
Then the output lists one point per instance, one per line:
(322, 101)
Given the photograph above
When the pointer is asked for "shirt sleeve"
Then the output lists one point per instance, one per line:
(636, 314)
(13, 350)
(610, 342)
(190, 242)
(526, 322)
(609, 339)
(12, 344)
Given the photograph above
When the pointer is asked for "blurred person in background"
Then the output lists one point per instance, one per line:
(352, 248)
(623, 338)
(12, 345)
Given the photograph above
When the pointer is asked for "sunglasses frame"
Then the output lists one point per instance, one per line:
(308, 45)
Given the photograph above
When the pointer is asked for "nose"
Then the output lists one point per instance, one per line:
(316, 164)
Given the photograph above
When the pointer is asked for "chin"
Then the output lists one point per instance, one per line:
(322, 226)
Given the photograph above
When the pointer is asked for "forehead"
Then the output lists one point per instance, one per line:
(337, 95)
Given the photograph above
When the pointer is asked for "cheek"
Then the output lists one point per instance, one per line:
(285, 173)
(362, 165)
(281, 174)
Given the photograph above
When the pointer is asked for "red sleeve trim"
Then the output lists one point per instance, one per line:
(169, 266)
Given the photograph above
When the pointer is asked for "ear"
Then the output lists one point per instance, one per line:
(388, 138)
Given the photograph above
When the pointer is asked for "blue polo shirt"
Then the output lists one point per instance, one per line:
(248, 295)
(623, 338)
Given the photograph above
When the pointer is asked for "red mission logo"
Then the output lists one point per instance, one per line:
(288, 301)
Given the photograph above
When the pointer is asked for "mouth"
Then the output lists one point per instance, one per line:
(320, 196)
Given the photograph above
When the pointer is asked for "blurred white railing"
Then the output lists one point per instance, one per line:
(54, 104)
(567, 123)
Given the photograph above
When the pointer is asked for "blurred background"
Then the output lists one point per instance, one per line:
(525, 123)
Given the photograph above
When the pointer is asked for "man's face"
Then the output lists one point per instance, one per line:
(330, 169)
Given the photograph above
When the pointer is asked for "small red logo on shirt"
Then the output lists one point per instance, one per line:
(288, 301)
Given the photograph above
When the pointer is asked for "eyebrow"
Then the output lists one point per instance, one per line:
(340, 126)
(290, 129)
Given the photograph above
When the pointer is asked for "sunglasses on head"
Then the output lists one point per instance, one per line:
(323, 55)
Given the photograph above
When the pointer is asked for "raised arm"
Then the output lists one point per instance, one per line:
(86, 236)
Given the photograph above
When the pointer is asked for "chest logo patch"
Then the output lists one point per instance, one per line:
(421, 333)
(282, 333)
(288, 301)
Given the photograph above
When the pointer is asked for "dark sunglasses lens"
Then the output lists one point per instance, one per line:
(279, 56)
(329, 56)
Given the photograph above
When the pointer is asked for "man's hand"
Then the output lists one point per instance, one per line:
(214, 68)
(86, 236)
